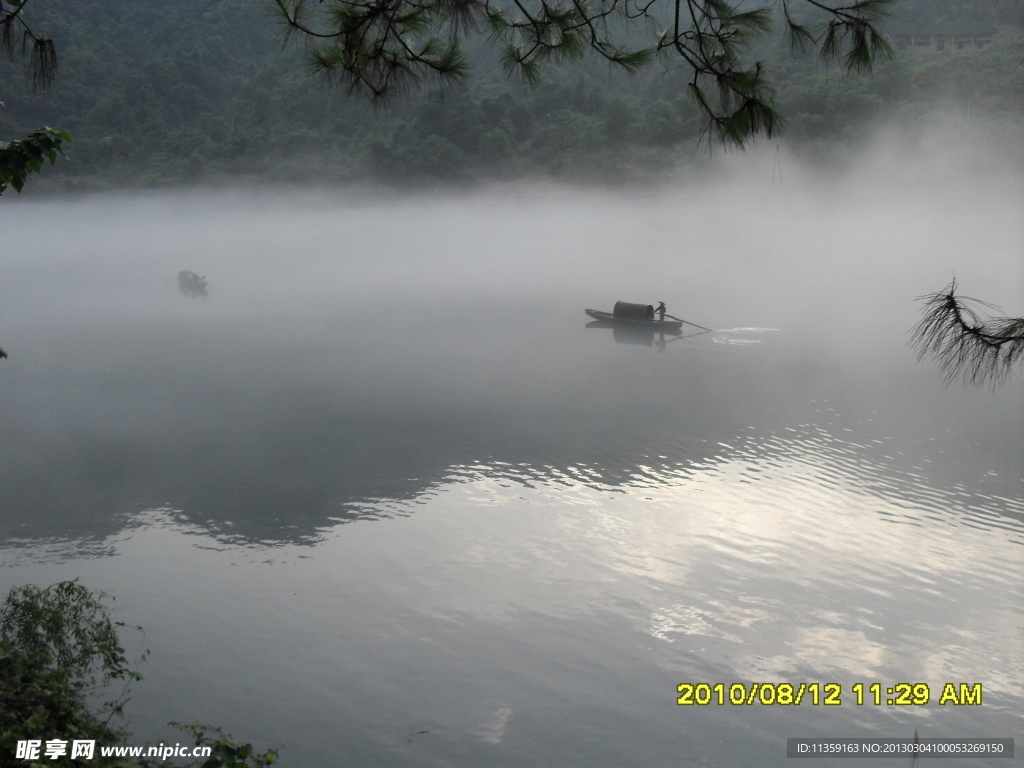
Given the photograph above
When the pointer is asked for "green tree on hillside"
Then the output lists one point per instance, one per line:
(385, 47)
(18, 159)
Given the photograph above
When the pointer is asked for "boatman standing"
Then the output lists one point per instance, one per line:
(661, 310)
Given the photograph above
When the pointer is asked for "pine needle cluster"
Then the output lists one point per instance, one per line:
(966, 346)
(17, 37)
(382, 48)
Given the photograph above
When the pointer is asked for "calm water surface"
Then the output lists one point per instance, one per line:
(383, 499)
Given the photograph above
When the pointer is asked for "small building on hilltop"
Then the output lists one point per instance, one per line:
(939, 37)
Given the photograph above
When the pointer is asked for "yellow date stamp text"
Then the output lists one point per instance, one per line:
(825, 694)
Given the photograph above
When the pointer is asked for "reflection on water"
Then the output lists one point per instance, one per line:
(401, 504)
(483, 610)
(268, 430)
(638, 334)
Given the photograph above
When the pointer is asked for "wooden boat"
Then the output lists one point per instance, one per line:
(635, 315)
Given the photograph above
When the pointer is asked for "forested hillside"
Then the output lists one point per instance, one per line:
(158, 93)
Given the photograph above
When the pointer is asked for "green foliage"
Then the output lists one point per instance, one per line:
(59, 655)
(159, 93)
(853, 37)
(18, 159)
(225, 751)
(384, 47)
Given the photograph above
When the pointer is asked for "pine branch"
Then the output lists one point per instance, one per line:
(43, 60)
(386, 47)
(967, 347)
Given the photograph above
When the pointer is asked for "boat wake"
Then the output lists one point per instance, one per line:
(731, 336)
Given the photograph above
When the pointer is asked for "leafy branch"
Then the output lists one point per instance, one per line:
(20, 158)
(59, 651)
(225, 751)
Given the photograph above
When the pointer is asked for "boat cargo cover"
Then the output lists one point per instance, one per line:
(628, 311)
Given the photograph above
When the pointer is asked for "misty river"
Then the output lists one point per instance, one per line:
(382, 498)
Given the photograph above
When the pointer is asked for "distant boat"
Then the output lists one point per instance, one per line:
(191, 284)
(2, 353)
(635, 315)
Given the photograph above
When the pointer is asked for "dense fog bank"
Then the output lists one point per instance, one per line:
(359, 344)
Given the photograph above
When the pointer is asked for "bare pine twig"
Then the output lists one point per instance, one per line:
(966, 346)
(17, 36)
(20, 159)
